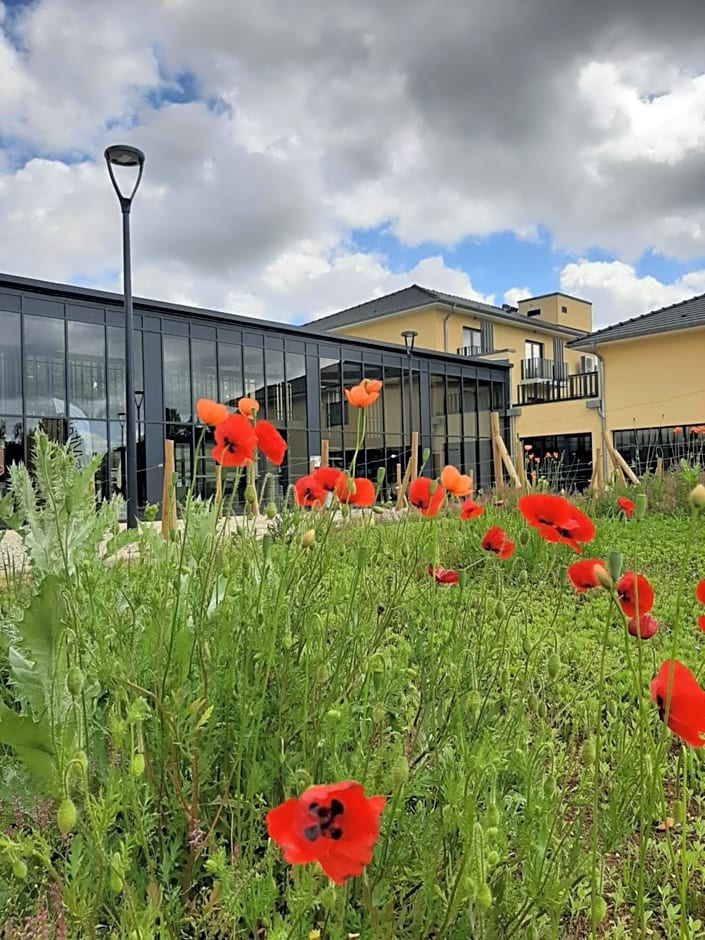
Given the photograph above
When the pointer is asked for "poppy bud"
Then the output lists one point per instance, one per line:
(492, 814)
(492, 858)
(563, 576)
(399, 773)
(137, 764)
(678, 811)
(250, 494)
(492, 832)
(378, 510)
(115, 882)
(483, 897)
(500, 610)
(697, 497)
(524, 537)
(599, 910)
(553, 665)
(19, 869)
(588, 752)
(526, 645)
(522, 577)
(462, 578)
(333, 714)
(380, 476)
(542, 710)
(266, 545)
(533, 701)
(640, 504)
(79, 764)
(74, 681)
(474, 703)
(615, 564)
(270, 510)
(66, 816)
(308, 538)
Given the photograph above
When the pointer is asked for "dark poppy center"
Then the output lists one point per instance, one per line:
(326, 825)
(661, 707)
(548, 522)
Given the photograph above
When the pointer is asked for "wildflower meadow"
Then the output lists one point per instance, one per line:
(480, 717)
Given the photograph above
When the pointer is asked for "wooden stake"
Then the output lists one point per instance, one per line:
(169, 522)
(496, 454)
(520, 463)
(404, 483)
(414, 456)
(659, 467)
(619, 462)
(325, 451)
(599, 479)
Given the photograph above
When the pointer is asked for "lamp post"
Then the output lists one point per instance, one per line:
(121, 155)
(409, 337)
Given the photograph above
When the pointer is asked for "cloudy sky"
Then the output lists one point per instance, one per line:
(305, 157)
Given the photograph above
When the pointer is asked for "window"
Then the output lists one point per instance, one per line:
(472, 341)
(536, 312)
(564, 310)
(533, 350)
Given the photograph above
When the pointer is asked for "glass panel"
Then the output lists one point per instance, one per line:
(203, 368)
(297, 454)
(392, 400)
(483, 404)
(180, 434)
(10, 363)
(11, 448)
(454, 406)
(374, 437)
(276, 388)
(116, 368)
(87, 385)
(438, 422)
(333, 406)
(469, 408)
(117, 456)
(254, 373)
(177, 382)
(230, 372)
(296, 390)
(45, 391)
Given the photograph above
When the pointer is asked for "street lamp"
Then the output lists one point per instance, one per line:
(409, 337)
(121, 155)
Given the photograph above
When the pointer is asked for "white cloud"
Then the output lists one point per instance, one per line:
(515, 294)
(618, 293)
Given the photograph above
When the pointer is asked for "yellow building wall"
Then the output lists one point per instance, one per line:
(427, 323)
(655, 380)
(560, 309)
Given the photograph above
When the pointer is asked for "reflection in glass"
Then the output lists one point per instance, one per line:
(392, 399)
(10, 364)
(230, 372)
(180, 434)
(253, 364)
(45, 390)
(177, 381)
(203, 368)
(276, 388)
(454, 406)
(11, 448)
(86, 372)
(295, 390)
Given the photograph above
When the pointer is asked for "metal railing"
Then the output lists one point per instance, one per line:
(581, 385)
(474, 350)
(542, 370)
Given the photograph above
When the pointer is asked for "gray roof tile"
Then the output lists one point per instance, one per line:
(681, 316)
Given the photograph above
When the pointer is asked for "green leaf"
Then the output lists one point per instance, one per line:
(31, 742)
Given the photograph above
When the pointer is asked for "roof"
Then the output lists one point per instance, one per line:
(89, 295)
(681, 316)
(415, 296)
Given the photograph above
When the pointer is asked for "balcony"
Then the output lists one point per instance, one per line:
(474, 350)
(543, 380)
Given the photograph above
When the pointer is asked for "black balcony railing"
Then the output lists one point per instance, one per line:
(543, 370)
(581, 385)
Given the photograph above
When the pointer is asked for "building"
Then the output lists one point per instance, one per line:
(62, 370)
(555, 389)
(653, 370)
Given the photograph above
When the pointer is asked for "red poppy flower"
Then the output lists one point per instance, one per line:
(678, 430)
(327, 477)
(443, 575)
(701, 623)
(336, 826)
(627, 506)
(235, 442)
(364, 493)
(681, 701)
(498, 542)
(646, 629)
(308, 492)
(700, 591)
(428, 503)
(557, 520)
(210, 412)
(634, 590)
(364, 394)
(582, 574)
(270, 442)
(470, 510)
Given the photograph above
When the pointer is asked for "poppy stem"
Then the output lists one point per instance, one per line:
(684, 931)
(359, 438)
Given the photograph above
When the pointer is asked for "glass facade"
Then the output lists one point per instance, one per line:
(62, 369)
(644, 448)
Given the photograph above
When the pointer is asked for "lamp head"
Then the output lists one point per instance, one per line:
(123, 155)
(409, 337)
